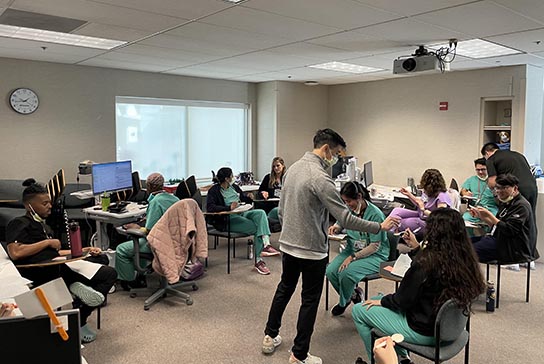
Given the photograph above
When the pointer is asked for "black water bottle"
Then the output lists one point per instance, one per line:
(490, 297)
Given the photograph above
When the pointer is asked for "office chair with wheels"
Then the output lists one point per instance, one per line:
(164, 287)
(451, 332)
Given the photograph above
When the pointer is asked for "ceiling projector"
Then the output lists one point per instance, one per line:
(420, 61)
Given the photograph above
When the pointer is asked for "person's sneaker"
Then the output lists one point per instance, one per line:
(270, 344)
(310, 359)
(269, 251)
(261, 268)
(358, 295)
(86, 294)
(338, 310)
(532, 265)
(514, 267)
(360, 360)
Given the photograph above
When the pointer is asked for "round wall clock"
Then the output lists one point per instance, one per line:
(24, 101)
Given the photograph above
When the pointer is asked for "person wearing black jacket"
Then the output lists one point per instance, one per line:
(513, 232)
(446, 267)
(225, 195)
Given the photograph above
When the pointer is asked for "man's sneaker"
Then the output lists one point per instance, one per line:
(514, 267)
(310, 359)
(262, 268)
(358, 295)
(86, 294)
(269, 251)
(270, 344)
(532, 265)
(338, 310)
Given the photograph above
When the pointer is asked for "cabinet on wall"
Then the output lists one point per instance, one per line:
(496, 121)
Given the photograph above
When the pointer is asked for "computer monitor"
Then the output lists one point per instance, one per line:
(110, 177)
(367, 174)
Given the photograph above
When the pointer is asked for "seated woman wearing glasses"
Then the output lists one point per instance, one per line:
(446, 267)
(512, 238)
(363, 253)
(434, 196)
(30, 241)
(225, 195)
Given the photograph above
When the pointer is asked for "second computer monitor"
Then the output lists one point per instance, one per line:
(110, 177)
(367, 174)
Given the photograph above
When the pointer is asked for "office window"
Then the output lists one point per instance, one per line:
(180, 138)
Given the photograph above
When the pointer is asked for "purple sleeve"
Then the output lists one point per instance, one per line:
(442, 197)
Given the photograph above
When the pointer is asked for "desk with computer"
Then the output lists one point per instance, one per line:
(109, 178)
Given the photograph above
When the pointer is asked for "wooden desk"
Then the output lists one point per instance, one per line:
(238, 210)
(50, 262)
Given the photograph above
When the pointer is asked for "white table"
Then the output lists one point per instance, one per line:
(244, 188)
(102, 218)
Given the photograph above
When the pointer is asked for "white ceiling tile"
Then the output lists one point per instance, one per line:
(533, 9)
(354, 41)
(224, 36)
(308, 73)
(479, 19)
(134, 66)
(274, 25)
(254, 78)
(100, 13)
(191, 45)
(410, 32)
(529, 41)
(469, 64)
(187, 9)
(38, 55)
(167, 53)
(223, 67)
(51, 48)
(343, 14)
(413, 7)
(111, 32)
(352, 79)
(517, 59)
(165, 63)
(198, 72)
(317, 53)
(385, 63)
(268, 61)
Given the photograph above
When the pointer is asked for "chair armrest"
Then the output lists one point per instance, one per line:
(136, 232)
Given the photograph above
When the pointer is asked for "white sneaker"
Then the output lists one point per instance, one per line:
(270, 344)
(310, 359)
(532, 265)
(514, 267)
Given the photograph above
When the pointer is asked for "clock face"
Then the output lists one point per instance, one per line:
(24, 101)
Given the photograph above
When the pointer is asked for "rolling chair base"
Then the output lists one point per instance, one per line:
(166, 289)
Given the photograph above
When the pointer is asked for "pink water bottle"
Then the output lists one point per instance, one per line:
(75, 239)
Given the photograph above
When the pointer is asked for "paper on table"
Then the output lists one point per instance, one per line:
(85, 268)
(243, 208)
(401, 265)
(337, 236)
(57, 294)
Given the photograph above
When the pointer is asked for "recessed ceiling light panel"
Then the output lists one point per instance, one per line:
(40, 35)
(345, 67)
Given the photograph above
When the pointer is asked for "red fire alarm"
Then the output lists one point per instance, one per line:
(443, 106)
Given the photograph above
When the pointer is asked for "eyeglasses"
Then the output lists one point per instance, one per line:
(481, 169)
(500, 188)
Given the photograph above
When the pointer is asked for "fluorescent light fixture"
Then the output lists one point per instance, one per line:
(345, 67)
(39, 35)
(478, 48)
(233, 1)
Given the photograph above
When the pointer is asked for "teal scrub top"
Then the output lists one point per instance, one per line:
(360, 239)
(230, 195)
(158, 204)
(481, 190)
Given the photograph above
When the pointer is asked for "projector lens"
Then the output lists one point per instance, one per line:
(409, 65)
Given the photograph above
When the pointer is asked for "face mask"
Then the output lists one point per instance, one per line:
(231, 182)
(359, 206)
(331, 162)
(35, 216)
(506, 200)
(482, 179)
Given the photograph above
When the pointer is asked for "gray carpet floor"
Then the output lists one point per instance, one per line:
(225, 324)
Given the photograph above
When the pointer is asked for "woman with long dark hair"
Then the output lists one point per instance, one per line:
(446, 267)
(364, 251)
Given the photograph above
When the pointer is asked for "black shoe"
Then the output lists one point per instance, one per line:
(357, 295)
(360, 360)
(139, 282)
(338, 310)
(406, 361)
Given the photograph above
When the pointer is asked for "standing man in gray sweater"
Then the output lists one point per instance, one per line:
(308, 196)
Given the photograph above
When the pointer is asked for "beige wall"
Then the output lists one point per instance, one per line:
(397, 123)
(301, 110)
(76, 117)
(266, 127)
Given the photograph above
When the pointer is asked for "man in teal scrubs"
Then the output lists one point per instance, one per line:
(476, 189)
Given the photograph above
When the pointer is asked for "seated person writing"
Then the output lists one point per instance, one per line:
(271, 184)
(364, 251)
(225, 195)
(434, 196)
(445, 267)
(159, 201)
(476, 188)
(512, 238)
(30, 241)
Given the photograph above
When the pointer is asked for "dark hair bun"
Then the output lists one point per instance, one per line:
(29, 182)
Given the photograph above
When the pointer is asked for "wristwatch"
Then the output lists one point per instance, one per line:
(353, 257)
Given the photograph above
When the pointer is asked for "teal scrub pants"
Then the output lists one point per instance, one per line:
(344, 282)
(387, 321)
(124, 259)
(251, 222)
(273, 214)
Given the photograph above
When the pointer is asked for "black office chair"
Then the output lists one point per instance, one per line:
(164, 287)
(498, 285)
(451, 332)
(182, 191)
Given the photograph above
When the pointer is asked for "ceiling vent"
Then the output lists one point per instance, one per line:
(27, 19)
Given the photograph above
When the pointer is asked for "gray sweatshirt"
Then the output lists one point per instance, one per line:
(307, 196)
